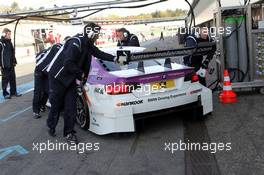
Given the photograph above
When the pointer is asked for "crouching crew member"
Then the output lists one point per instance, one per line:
(70, 64)
(198, 62)
(125, 38)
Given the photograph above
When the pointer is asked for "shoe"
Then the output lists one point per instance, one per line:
(16, 95)
(6, 97)
(65, 133)
(72, 138)
(43, 109)
(52, 132)
(36, 115)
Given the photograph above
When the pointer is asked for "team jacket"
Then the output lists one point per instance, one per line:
(74, 58)
(44, 58)
(7, 54)
(131, 41)
(192, 41)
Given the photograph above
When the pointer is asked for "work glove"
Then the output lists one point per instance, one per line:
(201, 72)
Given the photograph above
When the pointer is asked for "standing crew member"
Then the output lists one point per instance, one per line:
(161, 36)
(71, 63)
(125, 38)
(7, 64)
(200, 65)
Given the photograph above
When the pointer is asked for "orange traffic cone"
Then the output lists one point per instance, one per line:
(227, 95)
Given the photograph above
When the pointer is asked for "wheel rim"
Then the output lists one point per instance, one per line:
(81, 114)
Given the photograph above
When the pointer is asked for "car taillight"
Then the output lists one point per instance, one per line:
(114, 89)
(195, 78)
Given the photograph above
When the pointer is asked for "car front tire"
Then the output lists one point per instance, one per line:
(83, 115)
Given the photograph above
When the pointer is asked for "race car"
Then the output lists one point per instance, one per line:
(149, 84)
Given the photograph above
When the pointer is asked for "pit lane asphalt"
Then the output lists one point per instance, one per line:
(140, 153)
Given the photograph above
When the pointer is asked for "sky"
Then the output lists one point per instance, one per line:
(170, 4)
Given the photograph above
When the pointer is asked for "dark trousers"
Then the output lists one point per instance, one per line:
(62, 97)
(40, 90)
(9, 76)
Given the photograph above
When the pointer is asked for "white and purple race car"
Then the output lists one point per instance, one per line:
(149, 84)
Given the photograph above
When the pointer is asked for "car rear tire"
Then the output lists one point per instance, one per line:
(83, 115)
(261, 91)
(197, 113)
(140, 125)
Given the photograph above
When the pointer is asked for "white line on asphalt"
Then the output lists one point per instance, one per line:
(16, 114)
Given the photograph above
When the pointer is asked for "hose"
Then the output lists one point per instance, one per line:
(192, 16)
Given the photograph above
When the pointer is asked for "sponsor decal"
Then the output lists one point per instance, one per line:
(165, 97)
(94, 71)
(178, 95)
(94, 122)
(149, 78)
(196, 91)
(130, 103)
(161, 54)
(176, 74)
(99, 90)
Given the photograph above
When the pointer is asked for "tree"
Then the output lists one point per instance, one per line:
(157, 14)
(14, 7)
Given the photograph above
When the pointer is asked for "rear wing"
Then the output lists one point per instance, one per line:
(203, 49)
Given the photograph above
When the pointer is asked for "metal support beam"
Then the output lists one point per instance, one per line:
(97, 4)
